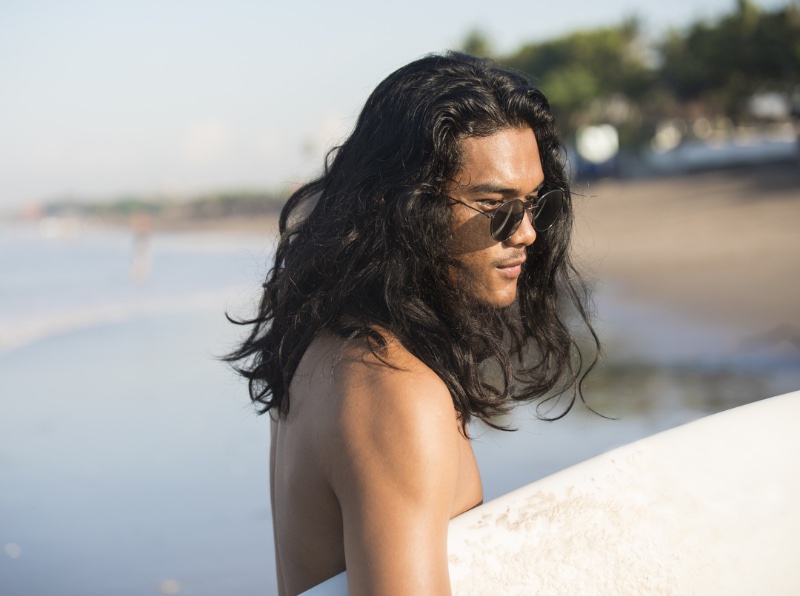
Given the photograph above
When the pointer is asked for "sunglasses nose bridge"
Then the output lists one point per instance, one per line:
(524, 231)
(530, 210)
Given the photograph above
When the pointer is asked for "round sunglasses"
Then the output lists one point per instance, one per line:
(543, 212)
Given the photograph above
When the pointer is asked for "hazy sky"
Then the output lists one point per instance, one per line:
(98, 99)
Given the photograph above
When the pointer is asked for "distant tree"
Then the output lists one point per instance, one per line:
(613, 75)
(586, 72)
(234, 203)
(722, 64)
(477, 43)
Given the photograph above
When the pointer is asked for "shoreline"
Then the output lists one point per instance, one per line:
(719, 246)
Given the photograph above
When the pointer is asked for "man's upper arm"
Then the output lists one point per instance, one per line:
(395, 478)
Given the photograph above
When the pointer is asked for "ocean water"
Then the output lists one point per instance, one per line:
(132, 463)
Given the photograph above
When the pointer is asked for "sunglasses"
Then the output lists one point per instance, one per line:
(543, 212)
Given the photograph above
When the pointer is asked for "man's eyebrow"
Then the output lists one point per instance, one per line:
(492, 188)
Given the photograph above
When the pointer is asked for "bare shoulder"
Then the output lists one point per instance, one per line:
(396, 470)
(378, 432)
(392, 396)
(354, 394)
(387, 398)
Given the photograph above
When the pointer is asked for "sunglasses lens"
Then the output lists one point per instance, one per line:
(506, 220)
(548, 209)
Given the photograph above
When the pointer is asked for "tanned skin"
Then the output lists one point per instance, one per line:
(370, 463)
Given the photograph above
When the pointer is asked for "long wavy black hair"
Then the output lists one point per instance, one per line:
(364, 251)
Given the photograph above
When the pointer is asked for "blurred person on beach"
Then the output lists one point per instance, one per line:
(142, 228)
(423, 281)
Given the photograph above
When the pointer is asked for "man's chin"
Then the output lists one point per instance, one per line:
(499, 301)
(494, 295)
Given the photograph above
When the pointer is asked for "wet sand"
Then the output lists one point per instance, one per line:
(721, 246)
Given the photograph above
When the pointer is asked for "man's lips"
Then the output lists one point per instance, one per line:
(510, 264)
(511, 268)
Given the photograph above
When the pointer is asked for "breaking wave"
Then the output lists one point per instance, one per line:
(18, 333)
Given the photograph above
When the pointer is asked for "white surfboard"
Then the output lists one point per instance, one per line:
(711, 507)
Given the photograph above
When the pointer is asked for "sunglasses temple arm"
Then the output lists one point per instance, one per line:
(489, 215)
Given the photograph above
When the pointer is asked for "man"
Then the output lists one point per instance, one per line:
(419, 284)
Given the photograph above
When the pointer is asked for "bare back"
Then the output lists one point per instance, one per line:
(366, 470)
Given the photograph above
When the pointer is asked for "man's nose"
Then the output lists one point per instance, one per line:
(524, 235)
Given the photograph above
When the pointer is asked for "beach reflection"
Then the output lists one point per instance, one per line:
(655, 376)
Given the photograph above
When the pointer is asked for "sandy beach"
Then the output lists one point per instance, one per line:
(722, 246)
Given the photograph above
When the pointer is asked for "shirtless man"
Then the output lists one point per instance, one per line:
(436, 240)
